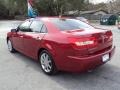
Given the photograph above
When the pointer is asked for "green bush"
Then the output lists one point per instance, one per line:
(3, 11)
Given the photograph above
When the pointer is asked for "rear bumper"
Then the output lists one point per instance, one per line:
(77, 64)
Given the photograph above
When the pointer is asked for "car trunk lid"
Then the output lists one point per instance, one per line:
(92, 40)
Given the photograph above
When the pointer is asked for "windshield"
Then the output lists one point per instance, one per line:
(70, 24)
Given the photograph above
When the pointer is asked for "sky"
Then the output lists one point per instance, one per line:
(99, 1)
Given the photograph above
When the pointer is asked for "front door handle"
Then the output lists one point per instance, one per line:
(38, 38)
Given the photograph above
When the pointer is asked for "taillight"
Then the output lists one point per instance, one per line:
(109, 35)
(82, 43)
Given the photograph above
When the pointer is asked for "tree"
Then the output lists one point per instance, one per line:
(56, 7)
(15, 6)
(3, 10)
(44, 7)
(50, 7)
(102, 6)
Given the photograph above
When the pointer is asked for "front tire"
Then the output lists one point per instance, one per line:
(47, 64)
(10, 46)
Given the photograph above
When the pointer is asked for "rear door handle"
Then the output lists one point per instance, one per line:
(21, 36)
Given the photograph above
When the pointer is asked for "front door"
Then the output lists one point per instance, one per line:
(17, 37)
(32, 40)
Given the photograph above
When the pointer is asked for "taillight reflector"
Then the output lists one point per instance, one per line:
(109, 34)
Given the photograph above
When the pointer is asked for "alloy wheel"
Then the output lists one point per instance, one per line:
(46, 62)
(9, 45)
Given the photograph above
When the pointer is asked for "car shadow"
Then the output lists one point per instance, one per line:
(105, 77)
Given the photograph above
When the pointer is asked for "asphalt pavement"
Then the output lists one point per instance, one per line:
(18, 72)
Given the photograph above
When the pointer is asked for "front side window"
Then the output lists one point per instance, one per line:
(36, 26)
(70, 24)
(25, 26)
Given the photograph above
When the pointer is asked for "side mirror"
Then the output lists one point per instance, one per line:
(13, 30)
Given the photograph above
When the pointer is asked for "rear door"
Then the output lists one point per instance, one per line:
(32, 40)
(18, 37)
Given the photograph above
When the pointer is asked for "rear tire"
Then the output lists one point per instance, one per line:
(10, 46)
(47, 64)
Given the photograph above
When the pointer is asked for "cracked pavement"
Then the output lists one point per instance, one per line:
(18, 72)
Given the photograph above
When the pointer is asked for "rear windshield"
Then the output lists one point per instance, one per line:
(70, 24)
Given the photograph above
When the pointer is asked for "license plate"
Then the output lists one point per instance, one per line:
(106, 58)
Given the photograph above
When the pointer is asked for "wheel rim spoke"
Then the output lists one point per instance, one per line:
(9, 46)
(46, 62)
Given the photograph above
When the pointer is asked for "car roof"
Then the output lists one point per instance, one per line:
(48, 18)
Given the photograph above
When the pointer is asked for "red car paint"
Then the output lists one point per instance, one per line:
(72, 50)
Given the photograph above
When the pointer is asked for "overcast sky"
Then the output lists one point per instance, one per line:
(99, 1)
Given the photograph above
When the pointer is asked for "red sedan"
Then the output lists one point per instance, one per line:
(62, 44)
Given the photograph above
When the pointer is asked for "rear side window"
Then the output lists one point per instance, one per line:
(44, 29)
(36, 26)
(70, 24)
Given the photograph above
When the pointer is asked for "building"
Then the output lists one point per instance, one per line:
(93, 14)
